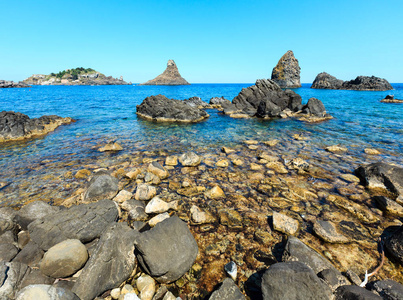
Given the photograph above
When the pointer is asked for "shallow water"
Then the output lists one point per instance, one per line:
(106, 113)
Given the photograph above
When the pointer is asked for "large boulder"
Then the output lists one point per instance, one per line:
(394, 245)
(293, 280)
(101, 186)
(287, 71)
(367, 83)
(326, 81)
(110, 264)
(388, 289)
(33, 211)
(170, 76)
(315, 107)
(227, 291)
(161, 108)
(382, 175)
(266, 99)
(84, 222)
(17, 126)
(45, 292)
(167, 251)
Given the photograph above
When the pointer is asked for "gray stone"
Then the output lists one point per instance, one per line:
(11, 276)
(145, 192)
(327, 231)
(7, 216)
(7, 251)
(167, 251)
(293, 280)
(227, 291)
(84, 222)
(35, 276)
(30, 255)
(64, 259)
(295, 250)
(388, 289)
(394, 245)
(8, 237)
(136, 210)
(367, 83)
(196, 102)
(45, 292)
(326, 81)
(111, 263)
(190, 159)
(101, 186)
(33, 211)
(287, 71)
(316, 107)
(389, 206)
(353, 292)
(333, 278)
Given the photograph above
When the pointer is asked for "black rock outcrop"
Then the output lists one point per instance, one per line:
(170, 76)
(326, 81)
(12, 84)
(361, 83)
(161, 108)
(287, 71)
(17, 126)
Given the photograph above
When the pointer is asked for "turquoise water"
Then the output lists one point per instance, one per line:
(105, 113)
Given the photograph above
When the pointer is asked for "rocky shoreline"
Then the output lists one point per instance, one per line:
(12, 84)
(16, 126)
(278, 218)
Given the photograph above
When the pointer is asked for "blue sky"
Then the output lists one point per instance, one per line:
(210, 41)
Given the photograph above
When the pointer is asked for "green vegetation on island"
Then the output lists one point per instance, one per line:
(73, 72)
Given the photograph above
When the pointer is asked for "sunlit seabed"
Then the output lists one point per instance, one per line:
(106, 113)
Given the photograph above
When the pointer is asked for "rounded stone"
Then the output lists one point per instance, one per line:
(64, 259)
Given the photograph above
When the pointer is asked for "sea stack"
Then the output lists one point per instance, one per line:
(170, 76)
(287, 72)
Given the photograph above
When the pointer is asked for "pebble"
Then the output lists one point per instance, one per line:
(215, 193)
(146, 286)
(115, 293)
(251, 142)
(157, 205)
(200, 217)
(227, 150)
(336, 149)
(222, 163)
(271, 143)
(285, 224)
(123, 196)
(350, 178)
(327, 231)
(190, 159)
(237, 162)
(158, 170)
(158, 218)
(171, 160)
(114, 146)
(231, 270)
(370, 151)
(145, 192)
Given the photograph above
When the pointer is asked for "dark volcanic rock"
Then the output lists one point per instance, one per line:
(170, 76)
(33, 211)
(287, 72)
(293, 280)
(394, 245)
(382, 175)
(12, 84)
(17, 126)
(101, 186)
(388, 289)
(353, 292)
(160, 108)
(326, 81)
(315, 107)
(167, 251)
(227, 291)
(391, 99)
(266, 99)
(111, 263)
(367, 83)
(84, 222)
(196, 102)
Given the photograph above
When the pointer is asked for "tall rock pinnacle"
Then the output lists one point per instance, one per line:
(286, 73)
(170, 76)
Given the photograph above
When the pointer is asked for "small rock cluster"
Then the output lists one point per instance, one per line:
(12, 84)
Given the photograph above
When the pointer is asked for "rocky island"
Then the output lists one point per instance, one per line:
(170, 76)
(287, 71)
(16, 126)
(391, 99)
(361, 83)
(77, 76)
(12, 84)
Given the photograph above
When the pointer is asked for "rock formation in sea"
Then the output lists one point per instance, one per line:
(326, 81)
(77, 76)
(361, 83)
(12, 84)
(17, 126)
(170, 76)
(266, 99)
(391, 99)
(287, 71)
(161, 108)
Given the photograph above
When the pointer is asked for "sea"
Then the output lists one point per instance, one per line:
(108, 113)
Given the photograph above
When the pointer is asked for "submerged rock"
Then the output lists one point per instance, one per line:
(391, 99)
(101, 186)
(227, 291)
(287, 71)
(161, 108)
(326, 81)
(17, 126)
(170, 76)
